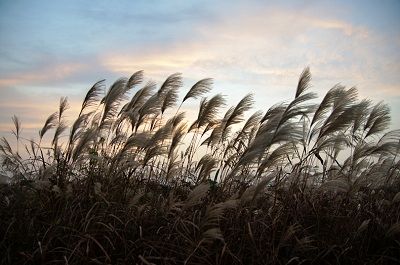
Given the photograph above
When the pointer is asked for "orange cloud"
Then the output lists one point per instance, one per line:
(49, 73)
(240, 42)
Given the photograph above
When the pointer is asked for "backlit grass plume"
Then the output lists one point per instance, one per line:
(136, 180)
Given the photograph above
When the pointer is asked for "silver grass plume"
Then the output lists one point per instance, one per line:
(196, 195)
(342, 114)
(139, 98)
(201, 87)
(134, 80)
(378, 120)
(17, 126)
(360, 116)
(62, 125)
(63, 107)
(174, 82)
(170, 99)
(151, 107)
(85, 139)
(153, 151)
(203, 104)
(304, 82)
(50, 123)
(206, 165)
(177, 136)
(215, 213)
(112, 99)
(78, 125)
(245, 104)
(177, 119)
(297, 107)
(276, 156)
(16, 131)
(92, 95)
(210, 110)
(251, 122)
(236, 116)
(160, 136)
(233, 116)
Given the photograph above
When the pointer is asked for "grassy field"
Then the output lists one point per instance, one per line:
(137, 182)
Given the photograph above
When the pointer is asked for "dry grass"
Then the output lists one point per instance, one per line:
(303, 183)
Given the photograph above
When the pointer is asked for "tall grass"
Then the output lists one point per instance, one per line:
(137, 182)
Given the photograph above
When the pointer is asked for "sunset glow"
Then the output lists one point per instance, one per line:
(51, 49)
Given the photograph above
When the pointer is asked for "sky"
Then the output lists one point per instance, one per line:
(50, 49)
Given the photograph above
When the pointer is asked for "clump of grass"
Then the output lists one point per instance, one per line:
(137, 183)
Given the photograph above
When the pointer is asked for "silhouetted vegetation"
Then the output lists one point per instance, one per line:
(135, 182)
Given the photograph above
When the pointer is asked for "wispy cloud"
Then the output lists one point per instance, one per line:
(269, 44)
(250, 46)
(49, 73)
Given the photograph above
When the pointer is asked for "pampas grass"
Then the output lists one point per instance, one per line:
(302, 183)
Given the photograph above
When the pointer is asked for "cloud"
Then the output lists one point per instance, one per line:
(246, 48)
(272, 44)
(32, 110)
(263, 51)
(49, 73)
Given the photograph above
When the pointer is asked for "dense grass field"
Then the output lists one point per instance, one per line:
(134, 181)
